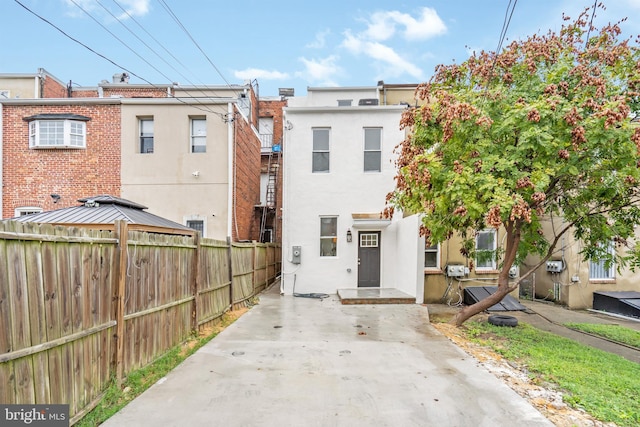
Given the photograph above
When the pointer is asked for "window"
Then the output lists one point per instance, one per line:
(27, 210)
(600, 268)
(431, 256)
(320, 150)
(146, 135)
(328, 236)
(372, 149)
(198, 135)
(368, 240)
(486, 245)
(57, 131)
(196, 225)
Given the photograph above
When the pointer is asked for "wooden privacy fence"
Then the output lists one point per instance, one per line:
(80, 306)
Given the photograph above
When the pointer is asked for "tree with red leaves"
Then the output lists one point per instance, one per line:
(543, 128)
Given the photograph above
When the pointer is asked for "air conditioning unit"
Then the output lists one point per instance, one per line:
(368, 101)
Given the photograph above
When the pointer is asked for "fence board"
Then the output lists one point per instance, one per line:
(37, 321)
(20, 330)
(57, 289)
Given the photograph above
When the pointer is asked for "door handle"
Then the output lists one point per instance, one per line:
(358, 261)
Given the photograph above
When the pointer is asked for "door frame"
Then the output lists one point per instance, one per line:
(377, 278)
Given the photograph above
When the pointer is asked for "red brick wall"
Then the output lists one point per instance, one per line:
(273, 108)
(247, 174)
(51, 88)
(30, 176)
(85, 93)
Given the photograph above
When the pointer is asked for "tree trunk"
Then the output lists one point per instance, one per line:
(511, 249)
(471, 310)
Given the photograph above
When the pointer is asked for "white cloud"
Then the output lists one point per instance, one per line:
(256, 73)
(320, 40)
(135, 7)
(382, 25)
(132, 7)
(320, 71)
(394, 64)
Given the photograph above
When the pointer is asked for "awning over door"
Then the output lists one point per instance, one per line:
(370, 221)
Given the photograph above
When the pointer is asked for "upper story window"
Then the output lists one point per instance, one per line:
(604, 268)
(146, 135)
(199, 135)
(320, 161)
(486, 247)
(372, 149)
(57, 131)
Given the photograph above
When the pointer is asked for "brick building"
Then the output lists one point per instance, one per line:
(190, 154)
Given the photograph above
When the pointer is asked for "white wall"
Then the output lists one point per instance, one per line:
(345, 190)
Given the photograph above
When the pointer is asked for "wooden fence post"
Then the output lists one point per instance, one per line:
(196, 283)
(122, 234)
(230, 260)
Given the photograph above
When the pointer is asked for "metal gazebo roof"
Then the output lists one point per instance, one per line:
(100, 212)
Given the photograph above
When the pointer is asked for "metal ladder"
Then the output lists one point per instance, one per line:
(272, 186)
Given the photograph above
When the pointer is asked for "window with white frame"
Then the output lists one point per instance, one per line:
(57, 131)
(146, 135)
(27, 210)
(431, 255)
(196, 224)
(486, 246)
(604, 268)
(198, 135)
(328, 236)
(320, 156)
(372, 149)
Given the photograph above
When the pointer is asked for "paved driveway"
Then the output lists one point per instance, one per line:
(307, 362)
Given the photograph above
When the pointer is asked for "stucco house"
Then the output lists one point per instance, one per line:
(338, 168)
(192, 154)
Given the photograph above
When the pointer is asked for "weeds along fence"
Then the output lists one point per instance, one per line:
(79, 307)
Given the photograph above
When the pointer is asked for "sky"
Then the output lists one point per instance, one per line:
(276, 44)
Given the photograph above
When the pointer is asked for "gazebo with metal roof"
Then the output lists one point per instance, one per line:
(101, 212)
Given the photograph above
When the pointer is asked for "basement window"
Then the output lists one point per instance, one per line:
(57, 131)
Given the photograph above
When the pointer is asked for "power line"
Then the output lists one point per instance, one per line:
(175, 18)
(119, 39)
(505, 24)
(593, 14)
(155, 40)
(113, 62)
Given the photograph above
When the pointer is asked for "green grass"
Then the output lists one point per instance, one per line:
(616, 333)
(138, 381)
(605, 385)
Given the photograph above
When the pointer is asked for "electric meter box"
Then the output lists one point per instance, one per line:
(555, 266)
(455, 270)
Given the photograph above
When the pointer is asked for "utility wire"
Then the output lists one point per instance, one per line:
(175, 18)
(108, 59)
(593, 14)
(126, 12)
(118, 38)
(145, 44)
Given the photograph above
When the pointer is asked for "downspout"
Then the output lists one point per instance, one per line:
(230, 154)
(1, 157)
